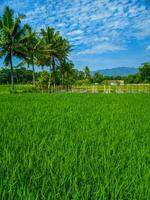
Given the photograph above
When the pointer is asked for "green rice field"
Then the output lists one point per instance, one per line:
(91, 88)
(75, 146)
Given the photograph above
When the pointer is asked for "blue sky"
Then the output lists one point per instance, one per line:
(104, 33)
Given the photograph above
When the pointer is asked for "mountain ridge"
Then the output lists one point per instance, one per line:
(118, 71)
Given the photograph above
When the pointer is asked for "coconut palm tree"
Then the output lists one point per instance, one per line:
(87, 73)
(67, 72)
(31, 48)
(37, 50)
(58, 49)
(40, 61)
(34, 50)
(11, 34)
(48, 37)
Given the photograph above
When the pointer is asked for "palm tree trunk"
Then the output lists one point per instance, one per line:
(42, 67)
(11, 72)
(53, 65)
(33, 75)
(62, 80)
(49, 81)
(33, 69)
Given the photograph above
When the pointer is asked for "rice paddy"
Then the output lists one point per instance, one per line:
(75, 146)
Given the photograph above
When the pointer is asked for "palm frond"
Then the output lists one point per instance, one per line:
(8, 17)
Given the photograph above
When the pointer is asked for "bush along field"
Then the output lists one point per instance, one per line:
(75, 146)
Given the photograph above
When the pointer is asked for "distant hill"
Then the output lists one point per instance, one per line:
(119, 71)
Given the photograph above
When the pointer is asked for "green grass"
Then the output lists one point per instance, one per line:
(75, 146)
(6, 89)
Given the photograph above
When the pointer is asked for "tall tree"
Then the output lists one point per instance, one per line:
(32, 49)
(58, 50)
(11, 34)
(67, 73)
(87, 73)
(144, 71)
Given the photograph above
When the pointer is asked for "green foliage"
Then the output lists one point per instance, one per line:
(82, 82)
(57, 50)
(97, 78)
(87, 73)
(6, 89)
(11, 33)
(42, 82)
(143, 76)
(144, 71)
(5, 76)
(67, 73)
(80, 75)
(2, 40)
(21, 75)
(11, 38)
(74, 146)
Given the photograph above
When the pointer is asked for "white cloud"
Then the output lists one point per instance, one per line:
(86, 23)
(101, 48)
(74, 33)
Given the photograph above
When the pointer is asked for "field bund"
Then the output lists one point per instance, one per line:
(75, 146)
(106, 89)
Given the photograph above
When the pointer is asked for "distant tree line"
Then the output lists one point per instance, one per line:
(67, 76)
